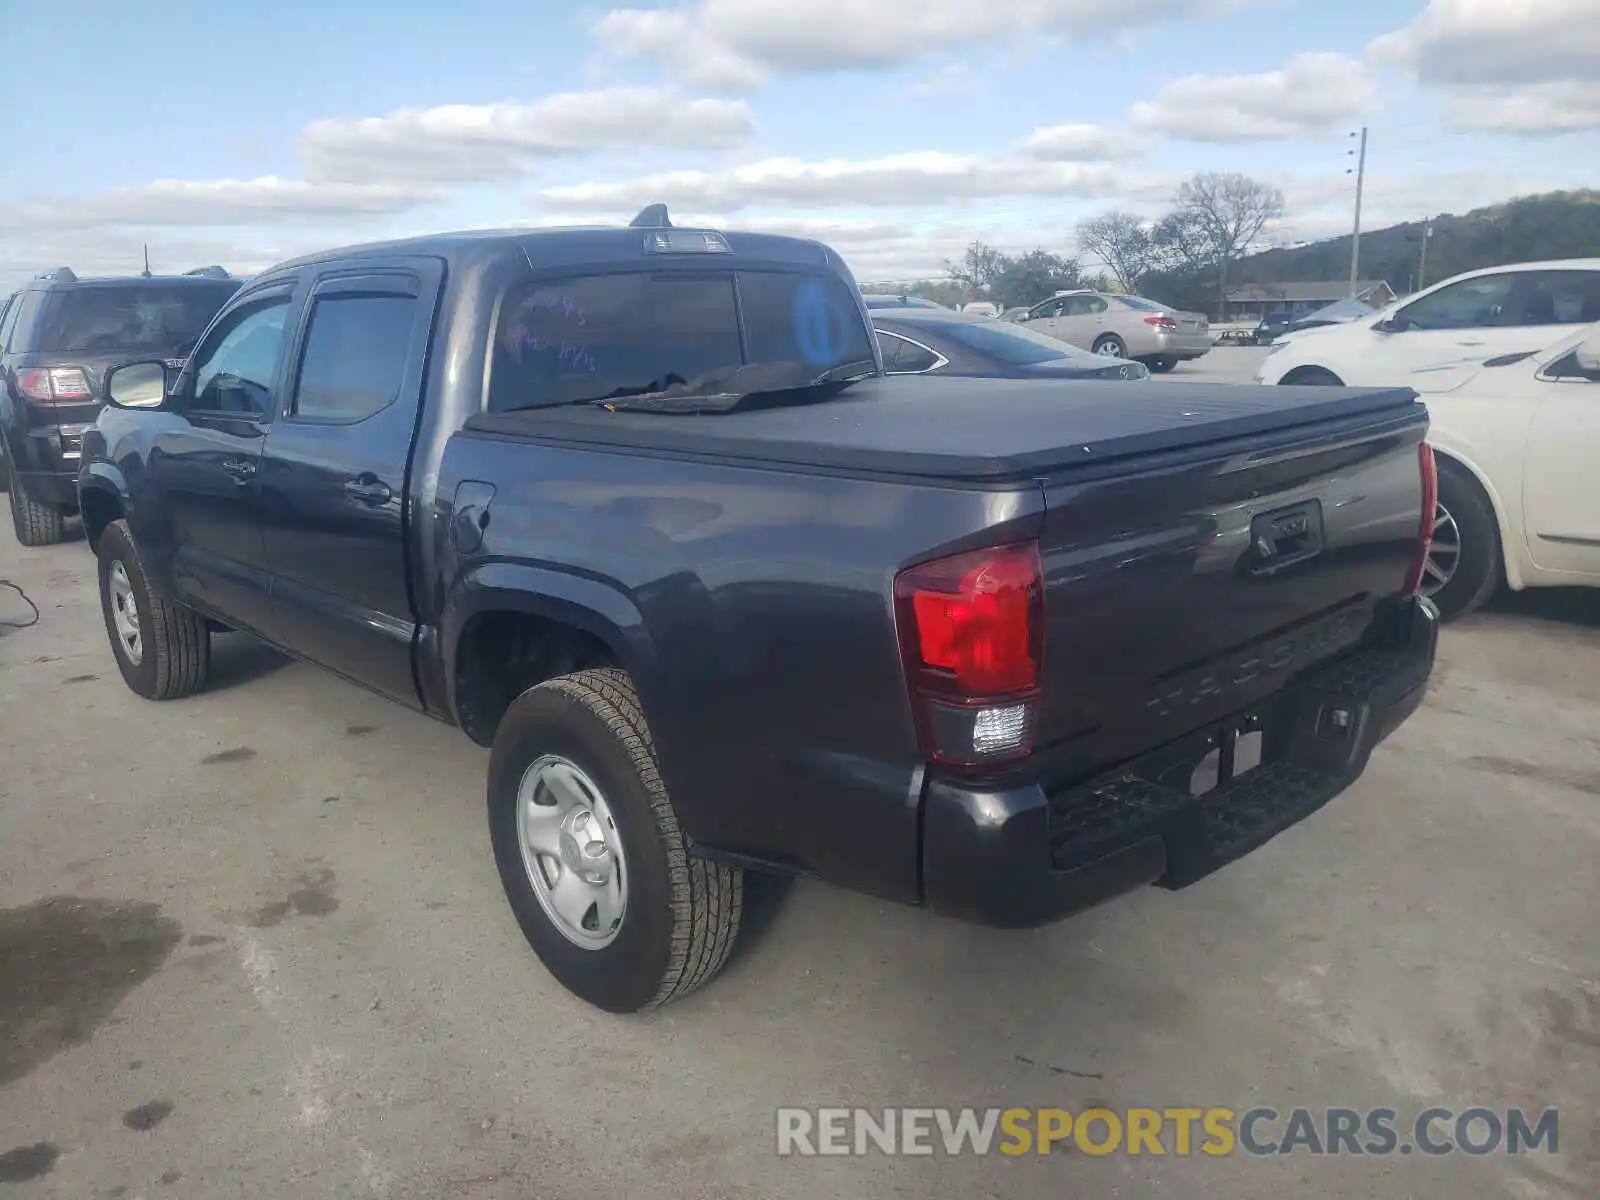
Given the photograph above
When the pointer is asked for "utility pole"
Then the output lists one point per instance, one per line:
(1422, 267)
(1355, 240)
(146, 272)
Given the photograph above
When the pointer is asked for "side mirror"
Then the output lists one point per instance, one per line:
(1393, 325)
(1589, 354)
(137, 384)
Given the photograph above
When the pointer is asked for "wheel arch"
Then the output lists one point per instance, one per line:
(597, 617)
(101, 500)
(1510, 562)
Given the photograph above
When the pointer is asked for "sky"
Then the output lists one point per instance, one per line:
(898, 131)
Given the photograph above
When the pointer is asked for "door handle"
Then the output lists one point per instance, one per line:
(243, 470)
(368, 490)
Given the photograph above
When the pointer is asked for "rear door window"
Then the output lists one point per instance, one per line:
(129, 318)
(593, 336)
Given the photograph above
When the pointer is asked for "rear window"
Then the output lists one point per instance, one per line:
(1014, 344)
(130, 317)
(567, 340)
(1141, 304)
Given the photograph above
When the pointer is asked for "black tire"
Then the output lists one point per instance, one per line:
(1160, 366)
(1312, 377)
(175, 655)
(682, 913)
(35, 524)
(1480, 565)
(1111, 344)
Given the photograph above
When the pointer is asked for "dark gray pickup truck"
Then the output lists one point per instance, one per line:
(637, 509)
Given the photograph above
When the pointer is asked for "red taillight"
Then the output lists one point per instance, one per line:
(54, 385)
(972, 637)
(1429, 468)
(1161, 322)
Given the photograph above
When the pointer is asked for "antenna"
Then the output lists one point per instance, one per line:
(147, 260)
(653, 216)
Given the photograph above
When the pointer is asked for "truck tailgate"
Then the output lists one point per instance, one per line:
(1187, 586)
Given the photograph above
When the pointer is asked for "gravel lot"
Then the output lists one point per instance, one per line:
(252, 944)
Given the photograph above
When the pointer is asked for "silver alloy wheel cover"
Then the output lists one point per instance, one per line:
(1110, 348)
(1444, 554)
(572, 852)
(125, 613)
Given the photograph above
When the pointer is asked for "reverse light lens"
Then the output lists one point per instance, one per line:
(1428, 466)
(972, 639)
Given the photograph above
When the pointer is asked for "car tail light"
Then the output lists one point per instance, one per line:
(54, 385)
(1429, 469)
(971, 632)
(1161, 322)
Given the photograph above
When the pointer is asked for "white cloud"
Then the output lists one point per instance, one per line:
(1083, 143)
(469, 143)
(1312, 92)
(1565, 106)
(916, 179)
(952, 79)
(220, 202)
(1529, 67)
(1474, 42)
(740, 43)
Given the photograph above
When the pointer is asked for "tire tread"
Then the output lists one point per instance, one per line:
(179, 638)
(707, 897)
(36, 524)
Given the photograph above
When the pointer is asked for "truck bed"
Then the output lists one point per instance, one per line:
(974, 430)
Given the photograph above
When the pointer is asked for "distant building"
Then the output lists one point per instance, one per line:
(1251, 301)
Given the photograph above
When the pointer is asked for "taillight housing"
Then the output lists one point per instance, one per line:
(1161, 322)
(54, 385)
(1428, 466)
(971, 630)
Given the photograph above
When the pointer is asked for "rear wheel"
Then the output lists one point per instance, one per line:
(592, 859)
(1111, 346)
(1160, 365)
(35, 524)
(1464, 565)
(1312, 376)
(162, 649)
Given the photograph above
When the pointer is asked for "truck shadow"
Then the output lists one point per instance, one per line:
(238, 659)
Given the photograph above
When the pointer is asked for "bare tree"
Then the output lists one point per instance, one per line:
(979, 270)
(1121, 241)
(1228, 212)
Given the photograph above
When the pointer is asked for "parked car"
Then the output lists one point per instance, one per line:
(1272, 327)
(920, 342)
(981, 308)
(1014, 314)
(1518, 501)
(57, 336)
(1123, 326)
(902, 301)
(1436, 338)
(636, 509)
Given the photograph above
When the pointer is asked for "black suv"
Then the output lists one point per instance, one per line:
(58, 334)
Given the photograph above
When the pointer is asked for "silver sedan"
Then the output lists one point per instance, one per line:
(1123, 327)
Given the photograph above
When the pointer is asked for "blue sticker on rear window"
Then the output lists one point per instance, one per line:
(821, 327)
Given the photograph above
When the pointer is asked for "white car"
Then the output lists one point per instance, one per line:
(1437, 338)
(1516, 440)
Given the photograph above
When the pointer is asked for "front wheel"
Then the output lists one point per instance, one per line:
(590, 853)
(1111, 346)
(162, 648)
(1312, 377)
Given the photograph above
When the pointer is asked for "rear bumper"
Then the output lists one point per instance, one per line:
(1019, 857)
(46, 461)
(1184, 345)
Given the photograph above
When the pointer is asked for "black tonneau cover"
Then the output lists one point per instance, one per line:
(963, 429)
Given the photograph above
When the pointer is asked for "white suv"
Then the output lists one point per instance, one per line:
(1433, 340)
